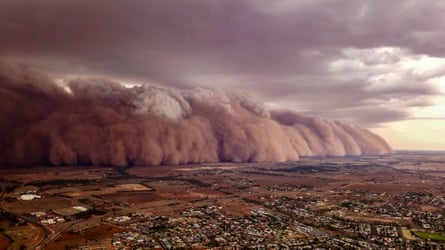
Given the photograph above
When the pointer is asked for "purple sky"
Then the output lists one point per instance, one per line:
(370, 62)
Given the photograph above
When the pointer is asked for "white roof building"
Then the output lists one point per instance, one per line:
(29, 197)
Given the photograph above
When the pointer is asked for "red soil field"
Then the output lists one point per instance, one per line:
(89, 234)
(4, 243)
(384, 187)
(132, 197)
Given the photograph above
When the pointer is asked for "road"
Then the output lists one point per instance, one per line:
(33, 222)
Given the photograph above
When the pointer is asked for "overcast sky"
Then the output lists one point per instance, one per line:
(380, 64)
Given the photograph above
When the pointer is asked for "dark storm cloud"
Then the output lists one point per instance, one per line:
(282, 50)
(374, 115)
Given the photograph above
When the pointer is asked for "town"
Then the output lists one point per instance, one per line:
(370, 202)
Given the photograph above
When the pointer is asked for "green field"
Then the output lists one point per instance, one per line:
(430, 236)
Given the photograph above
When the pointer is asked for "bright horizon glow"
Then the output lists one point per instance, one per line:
(414, 135)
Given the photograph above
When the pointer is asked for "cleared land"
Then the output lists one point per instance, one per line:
(95, 236)
(4, 243)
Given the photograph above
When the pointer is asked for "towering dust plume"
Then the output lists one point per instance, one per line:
(100, 122)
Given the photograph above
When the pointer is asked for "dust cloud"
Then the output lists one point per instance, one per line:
(102, 122)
